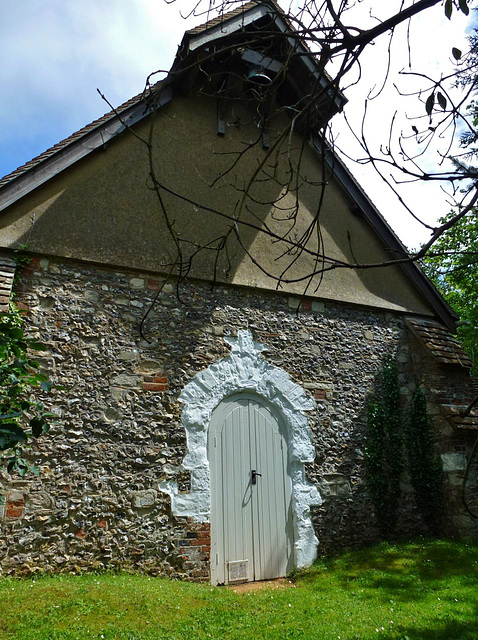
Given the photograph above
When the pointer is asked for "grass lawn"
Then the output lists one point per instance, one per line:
(422, 590)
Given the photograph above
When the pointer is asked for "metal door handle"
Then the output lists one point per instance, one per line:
(254, 475)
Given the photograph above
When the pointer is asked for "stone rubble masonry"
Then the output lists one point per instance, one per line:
(448, 385)
(96, 502)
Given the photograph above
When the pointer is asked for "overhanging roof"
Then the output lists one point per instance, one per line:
(236, 21)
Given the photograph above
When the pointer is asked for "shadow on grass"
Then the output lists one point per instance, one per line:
(439, 630)
(404, 573)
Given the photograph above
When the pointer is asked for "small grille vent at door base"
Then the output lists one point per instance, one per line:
(237, 571)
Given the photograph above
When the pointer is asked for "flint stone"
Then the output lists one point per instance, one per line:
(137, 283)
(143, 499)
(334, 484)
(453, 462)
(127, 381)
(40, 502)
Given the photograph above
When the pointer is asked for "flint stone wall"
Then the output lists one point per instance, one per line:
(96, 502)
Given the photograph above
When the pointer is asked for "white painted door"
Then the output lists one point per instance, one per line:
(251, 527)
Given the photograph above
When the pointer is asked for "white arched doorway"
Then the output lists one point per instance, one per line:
(246, 371)
(251, 492)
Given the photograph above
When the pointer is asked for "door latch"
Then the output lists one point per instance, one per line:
(254, 475)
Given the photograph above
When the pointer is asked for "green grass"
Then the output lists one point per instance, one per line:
(420, 591)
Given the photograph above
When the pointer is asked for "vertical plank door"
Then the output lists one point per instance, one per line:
(251, 524)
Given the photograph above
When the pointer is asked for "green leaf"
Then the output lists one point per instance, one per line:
(7, 416)
(430, 103)
(16, 351)
(16, 333)
(456, 53)
(464, 7)
(441, 100)
(10, 435)
(46, 385)
(448, 8)
(38, 346)
(36, 425)
(13, 428)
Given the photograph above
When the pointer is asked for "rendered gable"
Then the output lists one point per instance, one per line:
(103, 210)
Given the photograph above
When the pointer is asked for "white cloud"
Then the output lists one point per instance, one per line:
(56, 54)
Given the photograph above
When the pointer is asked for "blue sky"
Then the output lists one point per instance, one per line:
(56, 53)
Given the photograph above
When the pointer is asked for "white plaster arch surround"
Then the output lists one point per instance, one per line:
(245, 370)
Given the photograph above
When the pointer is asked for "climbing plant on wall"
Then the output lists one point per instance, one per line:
(384, 448)
(424, 463)
(22, 415)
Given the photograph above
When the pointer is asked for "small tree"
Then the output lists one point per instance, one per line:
(22, 416)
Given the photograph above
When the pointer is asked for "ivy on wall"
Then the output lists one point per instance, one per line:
(384, 448)
(388, 432)
(22, 416)
(425, 466)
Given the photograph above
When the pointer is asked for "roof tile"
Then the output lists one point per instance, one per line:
(214, 22)
(439, 342)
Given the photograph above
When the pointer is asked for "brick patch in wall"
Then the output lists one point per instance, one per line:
(7, 274)
(155, 386)
(153, 285)
(306, 305)
(198, 540)
(31, 267)
(14, 505)
(155, 382)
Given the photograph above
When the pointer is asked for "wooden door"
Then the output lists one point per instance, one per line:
(251, 527)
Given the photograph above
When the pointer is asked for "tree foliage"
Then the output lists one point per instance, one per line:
(453, 267)
(453, 263)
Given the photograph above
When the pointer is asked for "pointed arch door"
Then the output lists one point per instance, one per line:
(251, 515)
